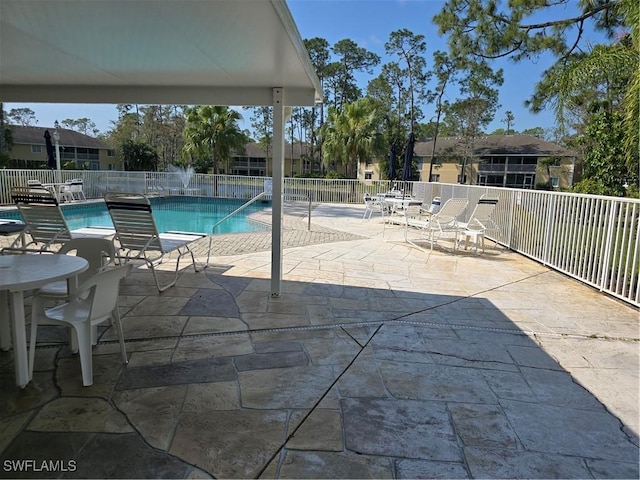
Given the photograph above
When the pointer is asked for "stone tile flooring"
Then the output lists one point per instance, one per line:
(377, 361)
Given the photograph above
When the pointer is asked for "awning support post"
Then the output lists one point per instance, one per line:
(277, 197)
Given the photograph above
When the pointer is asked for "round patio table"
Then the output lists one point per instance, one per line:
(19, 273)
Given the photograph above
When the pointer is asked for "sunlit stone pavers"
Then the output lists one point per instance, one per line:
(377, 361)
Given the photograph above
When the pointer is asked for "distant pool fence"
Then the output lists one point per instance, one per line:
(594, 239)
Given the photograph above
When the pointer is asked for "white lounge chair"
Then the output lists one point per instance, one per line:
(480, 222)
(438, 225)
(44, 221)
(137, 235)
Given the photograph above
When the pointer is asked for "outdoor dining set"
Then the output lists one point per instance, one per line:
(78, 271)
(436, 220)
(69, 191)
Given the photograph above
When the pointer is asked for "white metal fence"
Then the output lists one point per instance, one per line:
(591, 238)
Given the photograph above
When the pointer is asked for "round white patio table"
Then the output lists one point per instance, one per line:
(19, 273)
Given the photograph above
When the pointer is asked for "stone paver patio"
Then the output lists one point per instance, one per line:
(377, 361)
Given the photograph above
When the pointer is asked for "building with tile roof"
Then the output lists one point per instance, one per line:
(28, 149)
(517, 161)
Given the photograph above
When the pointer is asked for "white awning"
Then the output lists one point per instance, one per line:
(213, 52)
(206, 52)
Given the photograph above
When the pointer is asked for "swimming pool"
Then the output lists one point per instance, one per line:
(186, 214)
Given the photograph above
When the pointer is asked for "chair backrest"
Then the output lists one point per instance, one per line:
(481, 216)
(435, 206)
(100, 292)
(76, 185)
(133, 221)
(452, 208)
(41, 213)
(97, 251)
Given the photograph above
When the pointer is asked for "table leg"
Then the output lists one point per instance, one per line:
(5, 329)
(20, 358)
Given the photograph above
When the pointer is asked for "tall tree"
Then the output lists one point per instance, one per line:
(493, 29)
(476, 106)
(350, 59)
(508, 119)
(22, 116)
(603, 141)
(353, 135)
(444, 69)
(82, 125)
(410, 48)
(262, 124)
(211, 133)
(489, 29)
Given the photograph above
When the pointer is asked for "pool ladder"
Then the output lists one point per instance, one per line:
(239, 209)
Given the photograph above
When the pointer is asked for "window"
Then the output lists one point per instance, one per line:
(435, 177)
(368, 175)
(111, 153)
(462, 179)
(88, 154)
(36, 148)
(68, 153)
(88, 165)
(555, 182)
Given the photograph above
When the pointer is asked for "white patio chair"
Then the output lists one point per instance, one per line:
(137, 235)
(99, 252)
(77, 190)
(95, 302)
(438, 225)
(371, 206)
(480, 223)
(65, 192)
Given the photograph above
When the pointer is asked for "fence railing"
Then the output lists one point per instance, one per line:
(591, 238)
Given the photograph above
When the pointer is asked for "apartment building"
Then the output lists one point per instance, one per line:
(28, 149)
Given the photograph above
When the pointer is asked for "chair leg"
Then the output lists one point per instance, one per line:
(118, 324)
(86, 357)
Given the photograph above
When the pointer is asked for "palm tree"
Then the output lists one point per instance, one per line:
(352, 135)
(211, 133)
(616, 67)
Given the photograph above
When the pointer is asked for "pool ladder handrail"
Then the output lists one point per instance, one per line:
(240, 208)
(260, 195)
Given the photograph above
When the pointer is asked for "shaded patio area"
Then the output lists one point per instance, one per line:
(377, 361)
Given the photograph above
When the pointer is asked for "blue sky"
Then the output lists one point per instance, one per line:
(368, 23)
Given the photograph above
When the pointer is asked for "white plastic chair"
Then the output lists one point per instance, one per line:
(95, 302)
(371, 205)
(64, 192)
(76, 189)
(97, 251)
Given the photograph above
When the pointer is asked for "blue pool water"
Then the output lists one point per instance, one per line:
(185, 214)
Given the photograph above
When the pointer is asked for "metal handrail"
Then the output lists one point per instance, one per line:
(303, 197)
(242, 207)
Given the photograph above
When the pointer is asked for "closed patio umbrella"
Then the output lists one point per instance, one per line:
(408, 156)
(51, 156)
(392, 162)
